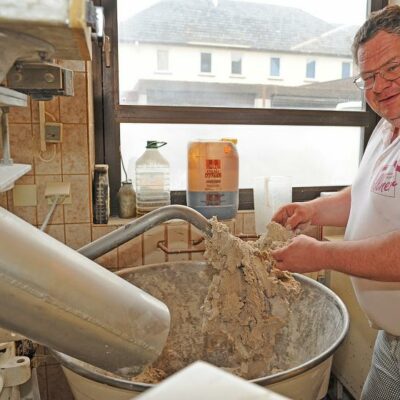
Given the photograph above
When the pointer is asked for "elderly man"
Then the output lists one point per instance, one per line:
(370, 208)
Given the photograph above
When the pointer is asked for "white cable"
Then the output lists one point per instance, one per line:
(52, 157)
(50, 213)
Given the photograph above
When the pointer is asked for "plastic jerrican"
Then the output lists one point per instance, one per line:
(213, 178)
(152, 179)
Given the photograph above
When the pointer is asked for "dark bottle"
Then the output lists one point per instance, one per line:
(101, 194)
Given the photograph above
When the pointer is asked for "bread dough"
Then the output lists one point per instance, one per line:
(246, 306)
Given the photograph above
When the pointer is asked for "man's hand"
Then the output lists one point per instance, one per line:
(300, 255)
(293, 215)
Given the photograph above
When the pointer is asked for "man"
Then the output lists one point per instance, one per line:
(370, 208)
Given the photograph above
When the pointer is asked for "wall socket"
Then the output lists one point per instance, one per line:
(53, 132)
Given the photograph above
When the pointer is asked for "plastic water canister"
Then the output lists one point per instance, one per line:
(213, 178)
(152, 179)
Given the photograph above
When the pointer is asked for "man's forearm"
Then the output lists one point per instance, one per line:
(333, 209)
(376, 258)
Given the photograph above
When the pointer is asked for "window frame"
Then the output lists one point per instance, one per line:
(109, 114)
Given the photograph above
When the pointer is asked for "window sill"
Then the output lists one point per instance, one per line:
(207, 74)
(237, 76)
(275, 78)
(163, 72)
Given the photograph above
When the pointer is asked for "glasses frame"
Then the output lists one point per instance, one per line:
(360, 82)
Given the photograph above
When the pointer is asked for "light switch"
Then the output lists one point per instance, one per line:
(24, 195)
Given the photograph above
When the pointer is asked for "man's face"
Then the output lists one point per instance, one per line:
(376, 55)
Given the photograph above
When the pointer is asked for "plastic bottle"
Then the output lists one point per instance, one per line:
(152, 179)
(126, 200)
(101, 194)
(213, 178)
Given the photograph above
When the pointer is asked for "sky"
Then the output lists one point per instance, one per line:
(351, 12)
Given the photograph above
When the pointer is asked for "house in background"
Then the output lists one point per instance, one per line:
(234, 54)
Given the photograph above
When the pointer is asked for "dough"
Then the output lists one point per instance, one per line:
(246, 306)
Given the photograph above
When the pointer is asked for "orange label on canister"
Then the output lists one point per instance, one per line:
(212, 166)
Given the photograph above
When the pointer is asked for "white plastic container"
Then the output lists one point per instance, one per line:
(152, 179)
(270, 193)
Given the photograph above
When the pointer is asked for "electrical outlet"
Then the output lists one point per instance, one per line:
(53, 132)
(62, 189)
(25, 195)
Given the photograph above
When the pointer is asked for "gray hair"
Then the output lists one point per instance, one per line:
(387, 20)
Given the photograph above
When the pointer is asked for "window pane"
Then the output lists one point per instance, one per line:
(236, 63)
(207, 32)
(162, 60)
(275, 69)
(346, 67)
(205, 62)
(310, 70)
(312, 156)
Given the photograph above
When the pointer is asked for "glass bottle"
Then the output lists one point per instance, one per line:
(126, 200)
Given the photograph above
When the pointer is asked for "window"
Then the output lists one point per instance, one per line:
(272, 119)
(275, 67)
(162, 60)
(205, 63)
(346, 70)
(236, 64)
(310, 70)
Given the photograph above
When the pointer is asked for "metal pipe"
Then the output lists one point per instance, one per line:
(59, 298)
(140, 225)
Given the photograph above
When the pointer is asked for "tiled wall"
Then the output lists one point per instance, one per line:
(70, 161)
(73, 161)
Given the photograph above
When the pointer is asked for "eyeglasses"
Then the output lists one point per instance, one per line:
(390, 72)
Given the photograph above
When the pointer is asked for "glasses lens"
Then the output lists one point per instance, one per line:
(360, 83)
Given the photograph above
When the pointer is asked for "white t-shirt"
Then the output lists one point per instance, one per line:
(375, 209)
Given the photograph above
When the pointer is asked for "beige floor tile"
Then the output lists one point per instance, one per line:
(79, 210)
(130, 254)
(73, 110)
(20, 114)
(75, 151)
(57, 232)
(195, 235)
(177, 239)
(77, 235)
(152, 254)
(3, 200)
(110, 259)
(21, 144)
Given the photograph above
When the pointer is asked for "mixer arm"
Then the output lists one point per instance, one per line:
(140, 225)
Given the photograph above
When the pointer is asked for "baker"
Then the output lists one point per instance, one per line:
(369, 209)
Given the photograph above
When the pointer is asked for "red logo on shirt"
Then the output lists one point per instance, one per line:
(385, 182)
